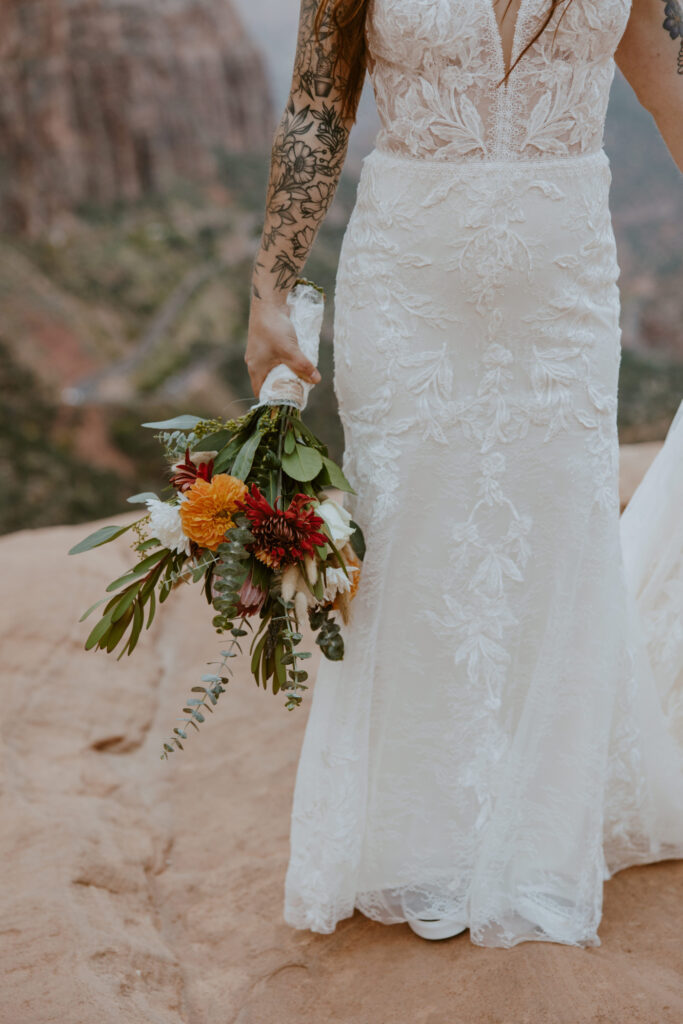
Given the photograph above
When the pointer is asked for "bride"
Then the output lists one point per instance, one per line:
(506, 730)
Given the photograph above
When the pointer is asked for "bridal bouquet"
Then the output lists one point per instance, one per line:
(250, 520)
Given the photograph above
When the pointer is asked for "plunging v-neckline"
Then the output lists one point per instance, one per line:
(498, 32)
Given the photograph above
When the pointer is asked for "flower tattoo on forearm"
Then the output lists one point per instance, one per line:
(307, 157)
(673, 23)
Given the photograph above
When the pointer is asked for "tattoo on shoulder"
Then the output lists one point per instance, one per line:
(673, 23)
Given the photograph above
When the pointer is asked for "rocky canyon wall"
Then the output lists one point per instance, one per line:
(106, 100)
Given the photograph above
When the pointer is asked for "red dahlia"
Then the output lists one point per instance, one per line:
(188, 472)
(282, 536)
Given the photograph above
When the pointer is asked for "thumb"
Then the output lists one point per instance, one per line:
(302, 367)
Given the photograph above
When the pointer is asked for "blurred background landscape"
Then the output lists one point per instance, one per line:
(134, 143)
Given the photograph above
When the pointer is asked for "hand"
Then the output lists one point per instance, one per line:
(272, 340)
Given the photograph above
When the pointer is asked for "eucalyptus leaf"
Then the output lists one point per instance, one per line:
(99, 537)
(186, 422)
(140, 499)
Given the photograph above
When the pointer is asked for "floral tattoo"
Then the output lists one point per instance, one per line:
(673, 23)
(307, 156)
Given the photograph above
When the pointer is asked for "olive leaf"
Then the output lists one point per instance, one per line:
(99, 537)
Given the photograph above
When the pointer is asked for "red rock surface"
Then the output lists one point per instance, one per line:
(139, 891)
(105, 100)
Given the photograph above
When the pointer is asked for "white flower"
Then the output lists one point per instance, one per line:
(337, 519)
(166, 525)
(337, 582)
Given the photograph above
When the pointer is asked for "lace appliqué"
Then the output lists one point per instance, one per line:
(435, 65)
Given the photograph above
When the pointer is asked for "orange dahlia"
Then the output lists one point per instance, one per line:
(208, 509)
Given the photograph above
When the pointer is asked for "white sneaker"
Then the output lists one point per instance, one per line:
(436, 928)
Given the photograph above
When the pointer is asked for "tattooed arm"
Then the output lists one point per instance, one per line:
(308, 153)
(650, 55)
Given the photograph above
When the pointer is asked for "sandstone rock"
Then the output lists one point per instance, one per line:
(141, 891)
(105, 100)
(634, 460)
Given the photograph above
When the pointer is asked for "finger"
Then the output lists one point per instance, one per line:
(258, 370)
(302, 367)
(257, 380)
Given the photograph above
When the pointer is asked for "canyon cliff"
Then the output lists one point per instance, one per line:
(108, 100)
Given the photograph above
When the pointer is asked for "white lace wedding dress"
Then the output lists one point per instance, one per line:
(506, 730)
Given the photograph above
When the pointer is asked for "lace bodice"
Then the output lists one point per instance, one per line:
(435, 65)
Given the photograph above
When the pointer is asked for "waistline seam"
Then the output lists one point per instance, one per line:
(597, 156)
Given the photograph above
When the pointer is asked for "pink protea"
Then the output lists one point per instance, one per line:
(251, 598)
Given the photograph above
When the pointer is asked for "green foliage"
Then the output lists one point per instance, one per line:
(125, 612)
(104, 535)
(303, 463)
(329, 637)
(271, 447)
(217, 683)
(185, 422)
(274, 655)
(357, 540)
(230, 573)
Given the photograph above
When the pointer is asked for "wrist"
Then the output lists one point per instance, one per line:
(267, 295)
